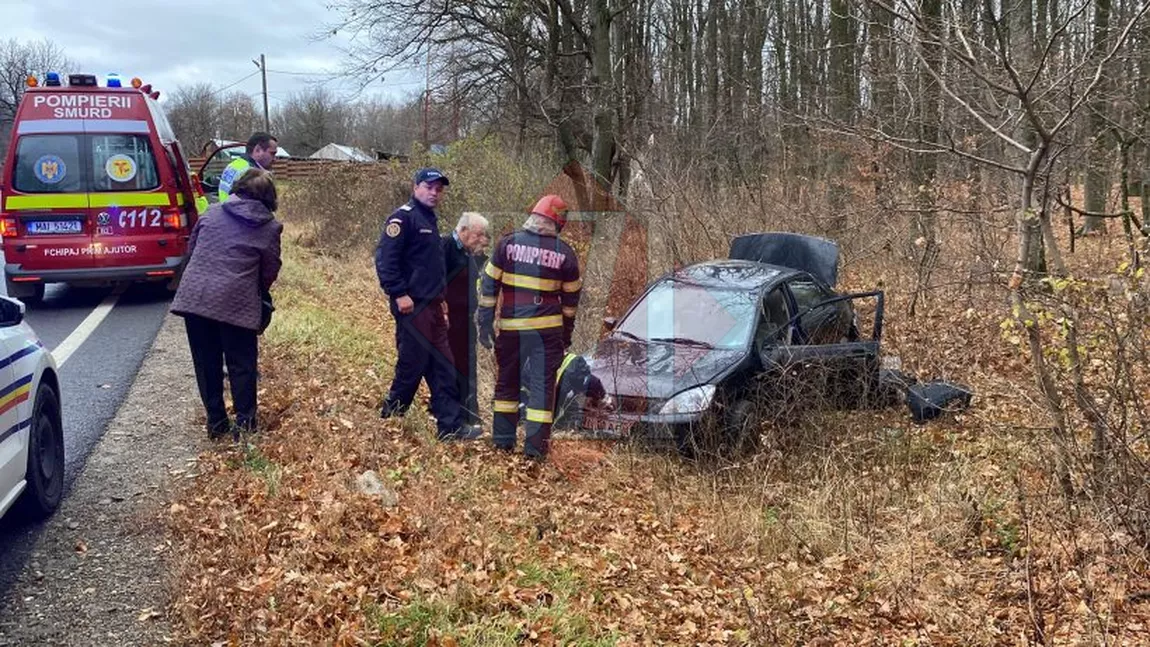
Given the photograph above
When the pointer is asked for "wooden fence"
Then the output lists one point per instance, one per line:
(304, 168)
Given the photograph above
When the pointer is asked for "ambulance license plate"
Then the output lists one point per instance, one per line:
(55, 227)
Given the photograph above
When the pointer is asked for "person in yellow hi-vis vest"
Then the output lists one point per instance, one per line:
(260, 153)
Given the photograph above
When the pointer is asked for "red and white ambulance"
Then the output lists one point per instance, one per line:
(95, 189)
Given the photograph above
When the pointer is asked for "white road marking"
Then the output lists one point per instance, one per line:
(77, 337)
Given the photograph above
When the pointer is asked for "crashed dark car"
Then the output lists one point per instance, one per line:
(706, 347)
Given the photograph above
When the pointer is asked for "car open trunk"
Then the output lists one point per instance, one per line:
(818, 256)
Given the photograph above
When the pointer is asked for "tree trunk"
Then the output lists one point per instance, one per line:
(842, 107)
(603, 142)
(926, 165)
(1097, 179)
(555, 87)
(883, 71)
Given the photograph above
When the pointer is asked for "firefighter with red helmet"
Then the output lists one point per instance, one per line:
(537, 275)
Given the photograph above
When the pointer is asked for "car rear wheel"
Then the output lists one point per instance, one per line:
(45, 473)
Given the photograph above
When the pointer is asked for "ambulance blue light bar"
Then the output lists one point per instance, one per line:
(52, 79)
(114, 80)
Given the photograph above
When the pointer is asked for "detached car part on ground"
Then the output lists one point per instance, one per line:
(31, 425)
(710, 350)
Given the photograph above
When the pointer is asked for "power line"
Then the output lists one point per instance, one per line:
(271, 71)
(298, 73)
(232, 85)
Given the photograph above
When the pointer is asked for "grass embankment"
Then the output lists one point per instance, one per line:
(869, 531)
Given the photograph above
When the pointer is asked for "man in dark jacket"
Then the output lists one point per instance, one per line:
(410, 266)
(464, 259)
(234, 252)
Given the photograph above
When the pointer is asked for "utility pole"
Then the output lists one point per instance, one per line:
(427, 99)
(454, 92)
(262, 64)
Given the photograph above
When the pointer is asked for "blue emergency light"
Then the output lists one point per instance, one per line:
(52, 79)
(113, 80)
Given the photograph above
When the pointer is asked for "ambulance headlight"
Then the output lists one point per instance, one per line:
(696, 400)
(114, 80)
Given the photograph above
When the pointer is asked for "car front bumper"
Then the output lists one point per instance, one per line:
(625, 424)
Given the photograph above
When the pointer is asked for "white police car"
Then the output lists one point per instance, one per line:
(31, 428)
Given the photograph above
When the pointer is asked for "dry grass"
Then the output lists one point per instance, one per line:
(867, 530)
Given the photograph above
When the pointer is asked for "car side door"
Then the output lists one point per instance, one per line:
(210, 171)
(13, 436)
(826, 349)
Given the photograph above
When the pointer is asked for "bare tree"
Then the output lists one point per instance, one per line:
(194, 112)
(312, 119)
(236, 116)
(18, 60)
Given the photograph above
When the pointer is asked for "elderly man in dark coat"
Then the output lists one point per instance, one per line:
(234, 258)
(464, 261)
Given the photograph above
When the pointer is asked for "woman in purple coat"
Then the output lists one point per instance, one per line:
(235, 258)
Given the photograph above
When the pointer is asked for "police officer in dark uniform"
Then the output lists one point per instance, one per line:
(410, 265)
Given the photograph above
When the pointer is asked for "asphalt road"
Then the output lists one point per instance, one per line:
(94, 379)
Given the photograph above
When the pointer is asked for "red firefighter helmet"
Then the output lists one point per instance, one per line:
(553, 208)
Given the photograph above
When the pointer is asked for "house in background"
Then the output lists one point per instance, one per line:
(342, 153)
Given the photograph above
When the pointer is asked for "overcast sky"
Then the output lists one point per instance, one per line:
(170, 43)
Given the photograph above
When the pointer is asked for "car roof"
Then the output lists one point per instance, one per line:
(732, 274)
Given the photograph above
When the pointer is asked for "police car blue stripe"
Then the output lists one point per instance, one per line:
(20, 354)
(14, 428)
(27, 379)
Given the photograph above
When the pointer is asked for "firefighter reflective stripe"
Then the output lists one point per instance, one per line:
(493, 271)
(567, 359)
(85, 200)
(539, 415)
(531, 323)
(505, 406)
(570, 311)
(573, 286)
(487, 302)
(530, 282)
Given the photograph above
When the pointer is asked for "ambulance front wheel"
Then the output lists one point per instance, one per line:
(29, 293)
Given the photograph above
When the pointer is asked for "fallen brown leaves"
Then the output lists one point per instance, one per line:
(892, 534)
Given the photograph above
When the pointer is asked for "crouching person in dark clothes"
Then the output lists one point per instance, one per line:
(234, 253)
(577, 388)
(409, 263)
(463, 254)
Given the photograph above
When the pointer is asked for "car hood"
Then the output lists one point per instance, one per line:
(655, 371)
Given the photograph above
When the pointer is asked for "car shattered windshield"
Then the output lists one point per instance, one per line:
(691, 314)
